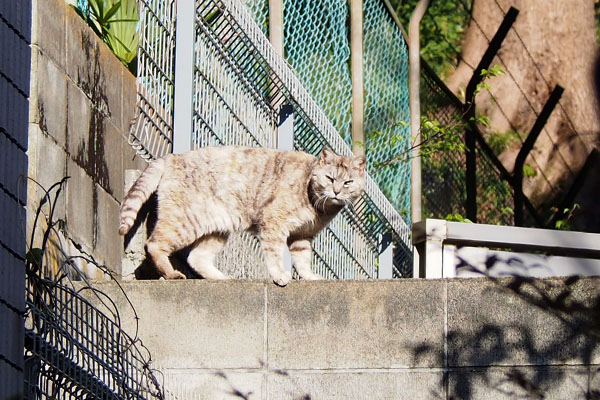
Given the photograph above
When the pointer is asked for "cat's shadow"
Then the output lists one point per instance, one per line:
(147, 270)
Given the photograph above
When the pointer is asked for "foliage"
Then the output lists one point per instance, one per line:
(115, 22)
(442, 30)
(500, 141)
(457, 218)
(564, 224)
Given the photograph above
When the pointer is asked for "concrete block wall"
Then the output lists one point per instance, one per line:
(404, 339)
(82, 100)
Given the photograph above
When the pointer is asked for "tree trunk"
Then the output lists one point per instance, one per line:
(552, 42)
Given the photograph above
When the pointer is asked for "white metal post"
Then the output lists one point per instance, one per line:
(184, 76)
(386, 257)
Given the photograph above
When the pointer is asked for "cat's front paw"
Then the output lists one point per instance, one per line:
(283, 279)
(175, 275)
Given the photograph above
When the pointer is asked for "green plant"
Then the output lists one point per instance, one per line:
(500, 141)
(457, 218)
(115, 22)
(442, 30)
(564, 224)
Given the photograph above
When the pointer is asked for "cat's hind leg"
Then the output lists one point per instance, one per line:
(159, 252)
(301, 252)
(203, 253)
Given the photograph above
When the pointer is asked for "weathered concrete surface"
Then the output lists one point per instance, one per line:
(82, 99)
(352, 324)
(404, 339)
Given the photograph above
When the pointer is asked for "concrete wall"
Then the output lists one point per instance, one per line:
(403, 339)
(15, 35)
(82, 100)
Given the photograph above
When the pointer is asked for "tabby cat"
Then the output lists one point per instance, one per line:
(285, 198)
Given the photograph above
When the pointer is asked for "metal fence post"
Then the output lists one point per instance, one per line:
(184, 73)
(386, 257)
(540, 122)
(471, 91)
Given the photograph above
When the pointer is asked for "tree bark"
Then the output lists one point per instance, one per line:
(552, 42)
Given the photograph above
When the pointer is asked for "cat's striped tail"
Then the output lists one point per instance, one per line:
(139, 193)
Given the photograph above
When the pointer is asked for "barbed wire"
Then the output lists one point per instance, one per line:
(44, 282)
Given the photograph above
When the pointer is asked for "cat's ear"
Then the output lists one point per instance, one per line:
(327, 156)
(360, 163)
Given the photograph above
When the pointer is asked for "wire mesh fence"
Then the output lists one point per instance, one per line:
(152, 131)
(239, 85)
(443, 172)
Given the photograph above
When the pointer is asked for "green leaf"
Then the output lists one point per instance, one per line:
(112, 11)
(35, 256)
(529, 171)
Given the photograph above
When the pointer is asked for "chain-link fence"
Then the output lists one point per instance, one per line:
(445, 163)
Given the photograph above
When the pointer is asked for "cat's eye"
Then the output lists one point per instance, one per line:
(348, 183)
(330, 178)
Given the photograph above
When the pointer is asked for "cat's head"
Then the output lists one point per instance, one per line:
(337, 180)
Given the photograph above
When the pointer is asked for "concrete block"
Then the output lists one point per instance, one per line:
(132, 160)
(128, 105)
(110, 146)
(48, 29)
(366, 385)
(489, 324)
(344, 324)
(196, 324)
(79, 118)
(93, 67)
(81, 205)
(48, 102)
(549, 383)
(108, 243)
(47, 166)
(220, 384)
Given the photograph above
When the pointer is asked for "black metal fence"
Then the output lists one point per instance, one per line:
(73, 350)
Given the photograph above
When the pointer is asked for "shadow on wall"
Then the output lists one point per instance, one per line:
(512, 350)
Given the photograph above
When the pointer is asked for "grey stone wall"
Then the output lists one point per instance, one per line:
(404, 339)
(15, 36)
(82, 100)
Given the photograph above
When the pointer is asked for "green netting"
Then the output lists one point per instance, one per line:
(259, 9)
(317, 47)
(387, 110)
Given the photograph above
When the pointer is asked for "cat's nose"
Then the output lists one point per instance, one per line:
(336, 188)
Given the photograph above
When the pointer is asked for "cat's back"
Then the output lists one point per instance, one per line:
(239, 168)
(249, 160)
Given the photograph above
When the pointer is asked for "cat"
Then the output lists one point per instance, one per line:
(284, 198)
